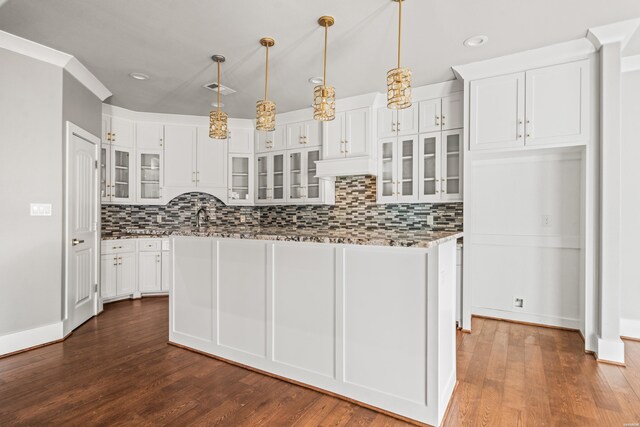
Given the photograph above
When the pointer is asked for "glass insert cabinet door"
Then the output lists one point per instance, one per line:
(452, 165)
(105, 184)
(121, 174)
(262, 171)
(430, 160)
(407, 187)
(312, 188)
(387, 159)
(296, 190)
(277, 186)
(239, 178)
(150, 189)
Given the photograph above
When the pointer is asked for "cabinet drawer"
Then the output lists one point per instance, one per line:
(150, 245)
(118, 246)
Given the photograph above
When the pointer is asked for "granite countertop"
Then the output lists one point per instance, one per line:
(416, 239)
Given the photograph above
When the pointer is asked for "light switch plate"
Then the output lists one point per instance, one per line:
(40, 209)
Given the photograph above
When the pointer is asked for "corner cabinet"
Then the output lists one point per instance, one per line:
(544, 106)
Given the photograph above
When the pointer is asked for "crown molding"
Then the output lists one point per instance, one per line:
(529, 59)
(618, 32)
(630, 63)
(63, 60)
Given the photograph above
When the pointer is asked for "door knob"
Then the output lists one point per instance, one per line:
(76, 242)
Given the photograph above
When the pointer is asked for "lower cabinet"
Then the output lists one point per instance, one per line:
(133, 267)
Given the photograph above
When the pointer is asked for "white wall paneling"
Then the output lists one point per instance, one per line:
(375, 324)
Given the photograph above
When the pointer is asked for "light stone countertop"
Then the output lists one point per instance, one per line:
(416, 239)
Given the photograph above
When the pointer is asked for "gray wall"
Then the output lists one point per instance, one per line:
(30, 171)
(80, 106)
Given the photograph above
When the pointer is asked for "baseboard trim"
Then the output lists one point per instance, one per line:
(520, 322)
(630, 328)
(527, 318)
(19, 342)
(310, 387)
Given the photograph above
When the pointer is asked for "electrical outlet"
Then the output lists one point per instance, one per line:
(430, 220)
(159, 219)
(518, 302)
(243, 218)
(546, 220)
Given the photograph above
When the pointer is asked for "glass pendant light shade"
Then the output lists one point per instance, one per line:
(217, 118)
(265, 109)
(324, 97)
(399, 88)
(399, 79)
(324, 103)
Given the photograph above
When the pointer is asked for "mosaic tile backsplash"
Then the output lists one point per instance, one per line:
(355, 208)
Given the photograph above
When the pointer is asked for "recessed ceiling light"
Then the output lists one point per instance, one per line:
(316, 80)
(476, 41)
(139, 76)
(215, 104)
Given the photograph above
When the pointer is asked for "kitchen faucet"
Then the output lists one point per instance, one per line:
(206, 217)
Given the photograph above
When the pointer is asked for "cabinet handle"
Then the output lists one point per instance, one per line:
(346, 147)
(398, 126)
(393, 127)
(519, 129)
(193, 177)
(115, 260)
(198, 176)
(341, 147)
(442, 119)
(113, 136)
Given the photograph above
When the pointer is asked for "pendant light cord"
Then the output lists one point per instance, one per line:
(266, 80)
(326, 34)
(218, 87)
(399, 31)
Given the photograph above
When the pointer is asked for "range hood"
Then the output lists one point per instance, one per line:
(350, 166)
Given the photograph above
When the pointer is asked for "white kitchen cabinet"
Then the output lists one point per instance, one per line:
(440, 166)
(166, 270)
(240, 141)
(149, 135)
(271, 141)
(211, 162)
(348, 134)
(398, 171)
(452, 111)
(126, 274)
(105, 173)
(303, 134)
(397, 122)
(240, 191)
(270, 178)
(545, 106)
(303, 186)
(150, 271)
(430, 115)
(118, 269)
(150, 172)
(557, 104)
(180, 154)
(497, 112)
(117, 131)
(117, 174)
(108, 274)
(441, 113)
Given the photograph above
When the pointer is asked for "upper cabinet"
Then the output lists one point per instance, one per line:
(545, 106)
(211, 165)
(117, 131)
(397, 122)
(240, 141)
(180, 154)
(271, 141)
(441, 113)
(348, 134)
(303, 134)
(149, 135)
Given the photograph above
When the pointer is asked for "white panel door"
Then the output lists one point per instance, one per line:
(407, 121)
(149, 271)
(387, 170)
(304, 282)
(180, 153)
(452, 111)
(497, 112)
(452, 167)
(106, 129)
(82, 231)
(127, 277)
(386, 353)
(149, 135)
(108, 272)
(334, 137)
(430, 113)
(356, 132)
(430, 162)
(192, 294)
(211, 161)
(312, 135)
(386, 123)
(264, 141)
(242, 296)
(122, 132)
(240, 141)
(279, 138)
(295, 133)
(558, 104)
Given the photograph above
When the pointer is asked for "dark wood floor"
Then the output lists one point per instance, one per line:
(117, 369)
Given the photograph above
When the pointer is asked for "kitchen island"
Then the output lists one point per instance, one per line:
(365, 315)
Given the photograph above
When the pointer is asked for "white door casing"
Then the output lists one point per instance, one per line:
(81, 227)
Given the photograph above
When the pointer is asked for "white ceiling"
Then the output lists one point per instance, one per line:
(172, 41)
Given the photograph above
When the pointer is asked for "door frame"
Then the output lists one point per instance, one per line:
(70, 130)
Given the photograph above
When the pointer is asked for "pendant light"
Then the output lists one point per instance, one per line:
(399, 79)
(324, 97)
(218, 118)
(265, 109)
